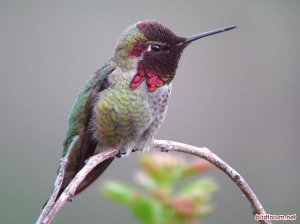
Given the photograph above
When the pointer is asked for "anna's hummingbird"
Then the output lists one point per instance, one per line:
(124, 102)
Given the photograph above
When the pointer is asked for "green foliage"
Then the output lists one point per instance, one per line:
(157, 201)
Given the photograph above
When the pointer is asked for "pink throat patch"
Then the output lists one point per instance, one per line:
(153, 80)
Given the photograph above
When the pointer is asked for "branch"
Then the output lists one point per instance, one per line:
(164, 145)
(51, 201)
(69, 192)
(208, 155)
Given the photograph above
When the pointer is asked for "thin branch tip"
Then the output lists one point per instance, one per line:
(208, 155)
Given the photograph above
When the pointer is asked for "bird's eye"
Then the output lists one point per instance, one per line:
(155, 47)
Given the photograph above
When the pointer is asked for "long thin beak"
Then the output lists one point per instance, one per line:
(209, 33)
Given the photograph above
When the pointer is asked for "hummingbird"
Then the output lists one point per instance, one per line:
(125, 102)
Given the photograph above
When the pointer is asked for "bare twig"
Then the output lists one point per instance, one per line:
(58, 183)
(69, 192)
(51, 201)
(208, 155)
(164, 145)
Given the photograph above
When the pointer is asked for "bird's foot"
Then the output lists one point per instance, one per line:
(166, 148)
(136, 150)
(121, 153)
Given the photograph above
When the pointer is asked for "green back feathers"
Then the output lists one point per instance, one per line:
(79, 113)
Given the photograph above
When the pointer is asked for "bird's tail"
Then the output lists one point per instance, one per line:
(59, 188)
(94, 174)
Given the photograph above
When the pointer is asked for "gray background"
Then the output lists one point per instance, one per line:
(236, 93)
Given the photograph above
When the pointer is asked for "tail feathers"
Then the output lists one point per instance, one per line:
(94, 174)
(90, 178)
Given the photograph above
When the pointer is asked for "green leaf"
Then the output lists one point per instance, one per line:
(164, 169)
(157, 203)
(147, 210)
(118, 191)
(145, 181)
(204, 210)
(200, 190)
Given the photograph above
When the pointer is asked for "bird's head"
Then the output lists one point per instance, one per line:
(154, 50)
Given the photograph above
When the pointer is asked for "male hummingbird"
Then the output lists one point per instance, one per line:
(124, 102)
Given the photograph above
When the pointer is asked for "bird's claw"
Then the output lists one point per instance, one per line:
(165, 149)
(120, 154)
(136, 150)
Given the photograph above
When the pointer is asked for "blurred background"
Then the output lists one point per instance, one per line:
(236, 93)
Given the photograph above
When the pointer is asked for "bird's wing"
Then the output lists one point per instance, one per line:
(76, 152)
(79, 143)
